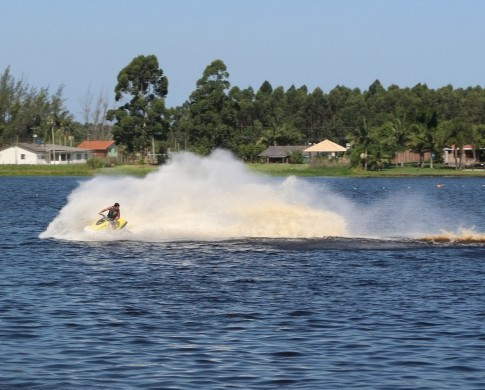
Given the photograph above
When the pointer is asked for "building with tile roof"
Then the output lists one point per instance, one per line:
(101, 148)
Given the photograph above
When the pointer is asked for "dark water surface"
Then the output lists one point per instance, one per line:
(243, 314)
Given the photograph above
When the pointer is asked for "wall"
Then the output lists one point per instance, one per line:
(13, 155)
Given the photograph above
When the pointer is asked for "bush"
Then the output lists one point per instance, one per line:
(296, 158)
(249, 152)
(333, 162)
(96, 163)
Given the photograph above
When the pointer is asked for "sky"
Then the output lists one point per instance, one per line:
(83, 44)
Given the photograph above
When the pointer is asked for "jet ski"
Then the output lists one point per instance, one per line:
(105, 224)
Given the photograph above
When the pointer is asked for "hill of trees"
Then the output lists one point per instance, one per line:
(377, 122)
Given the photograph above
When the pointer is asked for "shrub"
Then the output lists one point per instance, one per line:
(296, 158)
(330, 162)
(95, 163)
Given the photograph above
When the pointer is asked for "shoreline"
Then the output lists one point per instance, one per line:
(301, 170)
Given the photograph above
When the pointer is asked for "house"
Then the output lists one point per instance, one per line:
(471, 157)
(101, 148)
(451, 157)
(37, 154)
(280, 154)
(326, 148)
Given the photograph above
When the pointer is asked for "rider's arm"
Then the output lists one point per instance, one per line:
(101, 212)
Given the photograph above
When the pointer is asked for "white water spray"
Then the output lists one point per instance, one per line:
(199, 198)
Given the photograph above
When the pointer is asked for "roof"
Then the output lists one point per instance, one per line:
(281, 151)
(96, 145)
(43, 148)
(326, 146)
(465, 147)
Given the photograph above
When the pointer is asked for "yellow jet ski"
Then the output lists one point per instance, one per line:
(106, 224)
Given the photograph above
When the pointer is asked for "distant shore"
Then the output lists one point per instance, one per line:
(308, 170)
(303, 170)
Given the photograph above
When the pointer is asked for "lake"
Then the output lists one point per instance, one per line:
(194, 299)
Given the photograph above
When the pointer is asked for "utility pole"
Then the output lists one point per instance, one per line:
(53, 145)
(153, 150)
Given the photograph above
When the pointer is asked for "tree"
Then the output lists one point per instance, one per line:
(245, 118)
(458, 132)
(425, 137)
(379, 152)
(296, 102)
(400, 135)
(143, 118)
(375, 99)
(361, 138)
(210, 111)
(342, 117)
(263, 104)
(280, 135)
(94, 116)
(25, 110)
(316, 114)
(249, 152)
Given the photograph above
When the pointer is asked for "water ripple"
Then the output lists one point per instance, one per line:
(242, 314)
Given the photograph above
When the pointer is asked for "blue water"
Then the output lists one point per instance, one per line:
(250, 313)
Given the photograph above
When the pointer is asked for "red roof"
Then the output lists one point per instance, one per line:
(96, 145)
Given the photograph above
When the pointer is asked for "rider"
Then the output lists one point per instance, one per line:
(114, 213)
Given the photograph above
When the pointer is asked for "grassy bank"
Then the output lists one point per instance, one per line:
(74, 170)
(308, 170)
(300, 170)
(46, 170)
(132, 170)
(267, 169)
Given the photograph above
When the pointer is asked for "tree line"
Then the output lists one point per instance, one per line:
(30, 114)
(378, 122)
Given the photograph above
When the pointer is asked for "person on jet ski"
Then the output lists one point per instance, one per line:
(114, 213)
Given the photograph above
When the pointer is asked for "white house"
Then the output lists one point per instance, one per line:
(36, 154)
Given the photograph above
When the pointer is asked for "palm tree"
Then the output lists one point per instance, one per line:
(279, 135)
(362, 138)
(425, 137)
(400, 135)
(420, 141)
(458, 135)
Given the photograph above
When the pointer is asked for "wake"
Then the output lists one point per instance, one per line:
(198, 198)
(195, 198)
(463, 236)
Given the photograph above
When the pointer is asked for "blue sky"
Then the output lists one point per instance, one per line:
(83, 44)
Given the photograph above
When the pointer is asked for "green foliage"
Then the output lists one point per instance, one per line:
(46, 170)
(378, 122)
(202, 149)
(283, 134)
(249, 152)
(323, 161)
(26, 111)
(303, 169)
(296, 158)
(96, 163)
(143, 118)
(209, 115)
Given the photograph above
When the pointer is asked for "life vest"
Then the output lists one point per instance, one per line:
(112, 213)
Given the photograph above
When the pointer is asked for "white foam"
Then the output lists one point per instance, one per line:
(200, 198)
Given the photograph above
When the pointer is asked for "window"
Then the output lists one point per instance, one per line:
(78, 156)
(22, 156)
